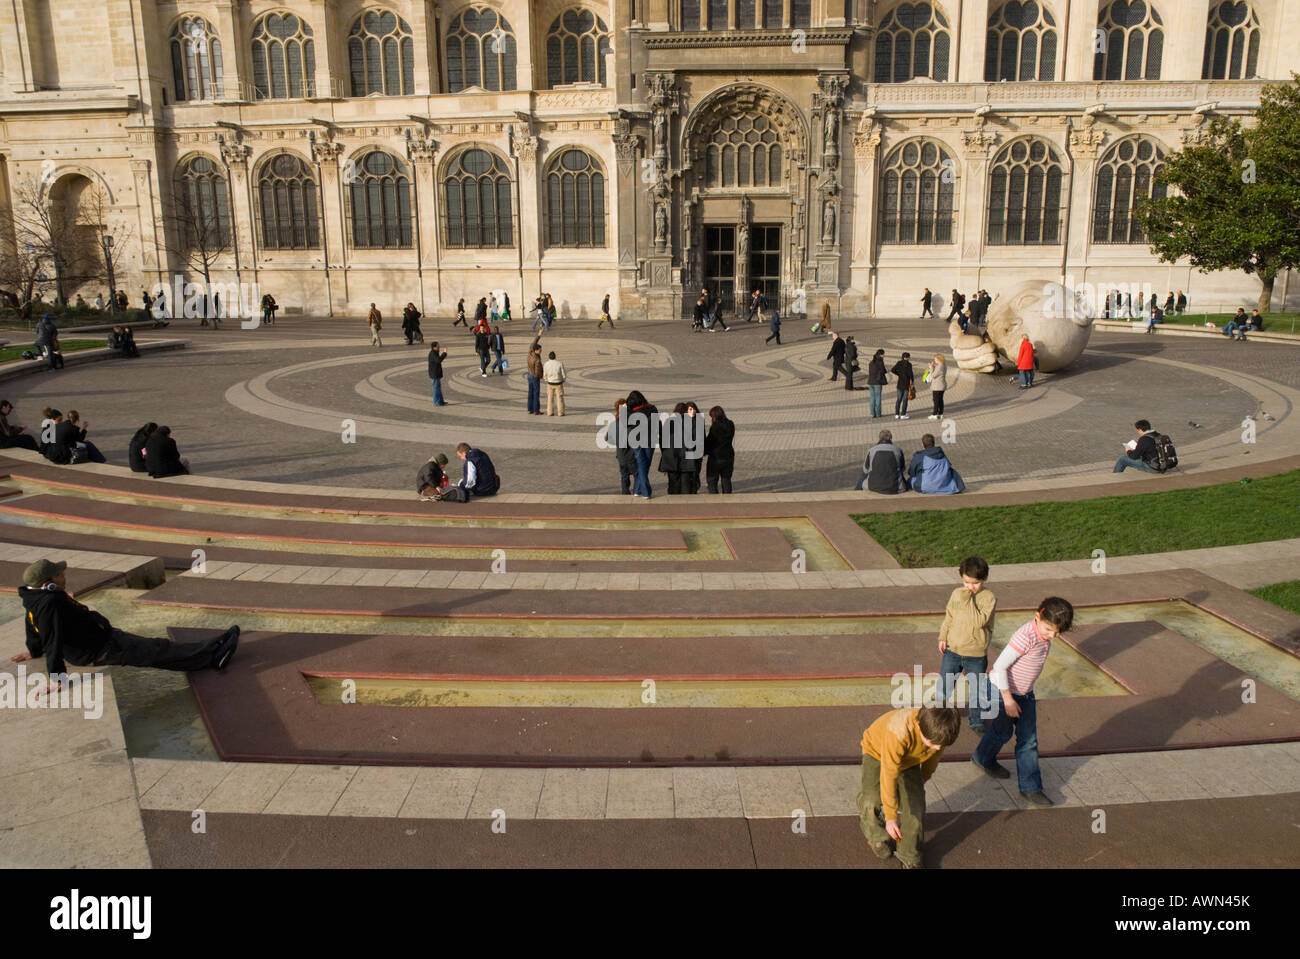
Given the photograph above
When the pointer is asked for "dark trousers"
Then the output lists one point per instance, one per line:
(925, 310)
(721, 478)
(848, 377)
(776, 335)
(836, 369)
(482, 362)
(676, 482)
(691, 480)
(534, 394)
(22, 441)
(937, 397)
(626, 474)
(127, 649)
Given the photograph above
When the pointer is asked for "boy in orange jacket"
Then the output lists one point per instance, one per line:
(900, 752)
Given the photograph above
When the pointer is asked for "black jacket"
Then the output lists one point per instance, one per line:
(837, 352)
(1146, 448)
(480, 312)
(718, 448)
(498, 342)
(62, 630)
(876, 375)
(135, 452)
(481, 342)
(435, 363)
(486, 481)
(642, 424)
(850, 355)
(431, 474)
(903, 370)
(65, 438)
(884, 468)
(161, 457)
(410, 318)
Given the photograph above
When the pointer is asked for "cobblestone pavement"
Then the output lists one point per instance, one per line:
(271, 403)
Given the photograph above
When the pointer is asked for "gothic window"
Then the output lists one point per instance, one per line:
(286, 203)
(575, 200)
(912, 41)
(1025, 195)
(284, 58)
(746, 14)
(744, 152)
(381, 55)
(380, 195)
(689, 15)
(196, 60)
(480, 51)
(202, 205)
(801, 13)
(1126, 175)
(1232, 39)
(918, 194)
(1132, 42)
(773, 13)
(477, 191)
(576, 46)
(1021, 43)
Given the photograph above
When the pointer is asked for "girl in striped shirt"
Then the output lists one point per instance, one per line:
(1013, 675)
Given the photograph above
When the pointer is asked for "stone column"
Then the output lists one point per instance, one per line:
(330, 42)
(235, 153)
(1085, 144)
(232, 32)
(422, 151)
(530, 219)
(627, 147)
(424, 38)
(866, 145)
(148, 204)
(333, 235)
(977, 147)
(972, 31)
(664, 297)
(828, 214)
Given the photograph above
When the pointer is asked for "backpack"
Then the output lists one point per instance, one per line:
(1166, 457)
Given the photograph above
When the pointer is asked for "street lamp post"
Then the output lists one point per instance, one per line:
(106, 241)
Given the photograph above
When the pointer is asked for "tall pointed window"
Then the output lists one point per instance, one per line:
(1021, 43)
(196, 60)
(1126, 174)
(1232, 38)
(1132, 42)
(286, 204)
(912, 41)
(576, 49)
(1025, 195)
(381, 55)
(284, 58)
(918, 194)
(575, 200)
(477, 192)
(202, 207)
(480, 51)
(380, 200)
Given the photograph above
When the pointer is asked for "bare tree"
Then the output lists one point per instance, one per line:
(200, 231)
(109, 248)
(45, 247)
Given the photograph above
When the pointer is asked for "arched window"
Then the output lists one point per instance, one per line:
(284, 58)
(1025, 195)
(575, 200)
(196, 60)
(381, 55)
(202, 204)
(480, 51)
(380, 196)
(918, 194)
(912, 41)
(1132, 42)
(1125, 176)
(1021, 43)
(576, 46)
(690, 15)
(286, 202)
(1232, 39)
(745, 151)
(477, 190)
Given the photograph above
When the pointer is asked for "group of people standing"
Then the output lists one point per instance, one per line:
(686, 448)
(972, 311)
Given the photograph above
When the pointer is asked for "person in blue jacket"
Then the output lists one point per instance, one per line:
(930, 471)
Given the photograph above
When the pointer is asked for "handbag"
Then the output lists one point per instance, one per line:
(911, 392)
(505, 363)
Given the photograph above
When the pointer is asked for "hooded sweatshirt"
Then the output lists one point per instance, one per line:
(935, 474)
(61, 629)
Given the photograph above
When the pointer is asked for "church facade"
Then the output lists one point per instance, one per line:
(338, 153)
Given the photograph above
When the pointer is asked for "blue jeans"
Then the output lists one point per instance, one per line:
(1127, 462)
(642, 485)
(437, 393)
(482, 362)
(1024, 377)
(497, 365)
(999, 733)
(900, 404)
(876, 394)
(534, 394)
(951, 667)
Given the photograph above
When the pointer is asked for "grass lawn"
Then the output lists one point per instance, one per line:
(1286, 595)
(12, 352)
(1224, 515)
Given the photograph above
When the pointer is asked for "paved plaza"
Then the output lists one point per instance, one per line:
(499, 650)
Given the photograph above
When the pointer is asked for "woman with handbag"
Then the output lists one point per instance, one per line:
(936, 374)
(906, 386)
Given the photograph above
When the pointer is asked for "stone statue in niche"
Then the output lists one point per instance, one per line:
(831, 130)
(661, 225)
(742, 243)
(661, 133)
(828, 223)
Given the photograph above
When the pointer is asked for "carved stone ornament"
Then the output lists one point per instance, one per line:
(625, 147)
(422, 148)
(1087, 141)
(867, 137)
(322, 151)
(526, 149)
(978, 142)
(236, 153)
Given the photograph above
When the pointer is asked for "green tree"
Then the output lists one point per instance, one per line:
(1238, 200)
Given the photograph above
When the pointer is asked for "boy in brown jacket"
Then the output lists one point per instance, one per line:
(900, 752)
(964, 638)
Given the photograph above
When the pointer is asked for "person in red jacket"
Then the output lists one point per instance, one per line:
(1025, 362)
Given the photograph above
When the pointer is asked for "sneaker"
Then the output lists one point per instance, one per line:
(904, 417)
(1037, 799)
(226, 647)
(482, 374)
(997, 770)
(933, 416)
(881, 849)
(897, 417)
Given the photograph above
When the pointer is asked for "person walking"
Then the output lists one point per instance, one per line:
(774, 324)
(850, 361)
(604, 314)
(498, 344)
(460, 315)
(411, 324)
(836, 356)
(505, 306)
(494, 310)
(877, 379)
(482, 346)
(1025, 361)
(936, 375)
(375, 321)
(553, 370)
(700, 317)
(535, 378)
(436, 356)
(926, 298)
(957, 302)
(1180, 305)
(718, 307)
(719, 451)
(825, 325)
(642, 430)
(906, 386)
(480, 312)
(757, 306)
